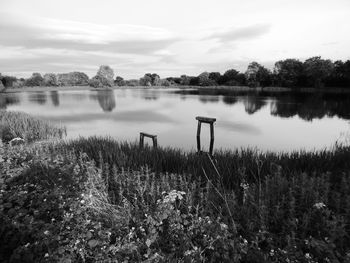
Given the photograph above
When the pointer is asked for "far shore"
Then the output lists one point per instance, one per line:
(231, 88)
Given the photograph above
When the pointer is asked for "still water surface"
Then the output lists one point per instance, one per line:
(268, 121)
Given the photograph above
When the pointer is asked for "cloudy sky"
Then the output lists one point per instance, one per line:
(167, 37)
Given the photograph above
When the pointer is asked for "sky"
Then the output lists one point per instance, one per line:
(170, 38)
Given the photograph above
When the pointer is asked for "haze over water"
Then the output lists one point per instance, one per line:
(267, 121)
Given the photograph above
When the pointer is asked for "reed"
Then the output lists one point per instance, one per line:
(19, 124)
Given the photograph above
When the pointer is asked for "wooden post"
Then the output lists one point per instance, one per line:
(211, 122)
(153, 137)
(199, 136)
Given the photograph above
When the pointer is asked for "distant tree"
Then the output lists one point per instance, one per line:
(73, 79)
(164, 82)
(35, 80)
(232, 78)
(340, 76)
(185, 80)
(2, 87)
(204, 80)
(7, 81)
(107, 73)
(289, 72)
(146, 80)
(194, 81)
(257, 75)
(174, 81)
(317, 70)
(150, 80)
(132, 82)
(119, 81)
(50, 79)
(215, 76)
(103, 78)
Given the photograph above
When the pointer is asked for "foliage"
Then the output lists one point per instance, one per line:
(35, 80)
(72, 79)
(104, 78)
(18, 124)
(204, 80)
(119, 81)
(150, 80)
(106, 72)
(257, 75)
(289, 72)
(317, 70)
(7, 81)
(50, 79)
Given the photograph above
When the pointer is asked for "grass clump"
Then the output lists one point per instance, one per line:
(19, 124)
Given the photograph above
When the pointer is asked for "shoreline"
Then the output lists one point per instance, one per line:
(228, 88)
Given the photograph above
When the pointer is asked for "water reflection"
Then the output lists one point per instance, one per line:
(55, 98)
(205, 98)
(38, 97)
(253, 103)
(260, 119)
(307, 106)
(7, 99)
(106, 99)
(312, 106)
(230, 100)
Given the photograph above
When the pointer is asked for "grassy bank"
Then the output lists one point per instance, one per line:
(99, 200)
(19, 124)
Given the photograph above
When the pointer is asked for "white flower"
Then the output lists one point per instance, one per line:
(46, 255)
(46, 232)
(319, 205)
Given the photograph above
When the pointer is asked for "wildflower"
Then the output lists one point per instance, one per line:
(223, 226)
(82, 201)
(307, 256)
(46, 255)
(319, 205)
(46, 232)
(27, 245)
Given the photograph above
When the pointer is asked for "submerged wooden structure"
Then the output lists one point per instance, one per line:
(209, 121)
(153, 137)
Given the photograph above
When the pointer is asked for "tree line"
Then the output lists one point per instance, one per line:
(291, 73)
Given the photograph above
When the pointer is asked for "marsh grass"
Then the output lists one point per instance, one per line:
(19, 124)
(267, 197)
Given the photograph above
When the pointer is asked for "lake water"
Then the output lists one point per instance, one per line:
(268, 121)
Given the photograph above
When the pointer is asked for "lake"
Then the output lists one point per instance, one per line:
(276, 121)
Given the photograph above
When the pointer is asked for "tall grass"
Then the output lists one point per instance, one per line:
(255, 192)
(19, 124)
(234, 166)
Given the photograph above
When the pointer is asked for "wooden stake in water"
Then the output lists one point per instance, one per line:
(153, 137)
(211, 122)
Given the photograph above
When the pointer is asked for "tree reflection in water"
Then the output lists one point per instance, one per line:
(38, 97)
(7, 99)
(106, 99)
(55, 98)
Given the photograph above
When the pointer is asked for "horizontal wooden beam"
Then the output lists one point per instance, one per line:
(205, 119)
(148, 135)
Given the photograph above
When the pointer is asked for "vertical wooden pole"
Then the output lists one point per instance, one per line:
(141, 140)
(155, 144)
(211, 138)
(199, 136)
